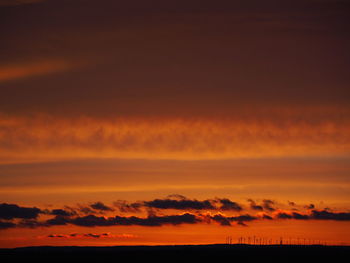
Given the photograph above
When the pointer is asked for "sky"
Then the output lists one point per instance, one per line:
(174, 122)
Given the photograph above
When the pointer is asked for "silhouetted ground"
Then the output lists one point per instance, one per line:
(187, 253)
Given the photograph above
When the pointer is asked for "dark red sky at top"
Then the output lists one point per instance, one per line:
(175, 57)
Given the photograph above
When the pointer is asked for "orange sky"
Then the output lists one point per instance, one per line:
(274, 134)
(113, 102)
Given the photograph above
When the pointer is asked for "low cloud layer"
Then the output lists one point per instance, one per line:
(172, 210)
(93, 220)
(89, 235)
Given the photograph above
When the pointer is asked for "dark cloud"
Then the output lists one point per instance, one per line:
(228, 205)
(243, 218)
(31, 223)
(327, 215)
(62, 212)
(100, 206)
(300, 216)
(222, 220)
(226, 220)
(264, 216)
(11, 211)
(92, 220)
(186, 218)
(293, 215)
(28, 217)
(267, 205)
(310, 206)
(57, 221)
(96, 235)
(90, 235)
(57, 236)
(181, 204)
(86, 210)
(6, 225)
(316, 214)
(284, 216)
(124, 206)
(241, 223)
(254, 206)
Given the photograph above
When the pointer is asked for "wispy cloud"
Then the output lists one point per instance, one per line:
(174, 138)
(30, 69)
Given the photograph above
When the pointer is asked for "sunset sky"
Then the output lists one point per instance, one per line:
(174, 122)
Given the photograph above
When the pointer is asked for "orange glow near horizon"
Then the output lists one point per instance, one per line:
(74, 162)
